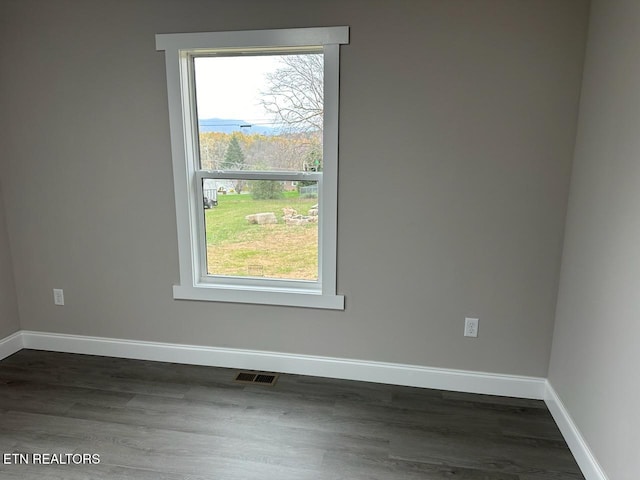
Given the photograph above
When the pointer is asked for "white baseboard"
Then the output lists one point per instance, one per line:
(349, 369)
(579, 448)
(368, 371)
(10, 345)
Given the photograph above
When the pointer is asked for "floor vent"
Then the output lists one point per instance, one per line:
(257, 378)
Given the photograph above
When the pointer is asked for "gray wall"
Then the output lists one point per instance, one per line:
(594, 364)
(8, 305)
(457, 131)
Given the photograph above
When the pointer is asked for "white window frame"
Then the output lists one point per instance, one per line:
(195, 284)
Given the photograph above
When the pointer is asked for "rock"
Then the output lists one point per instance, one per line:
(288, 212)
(262, 218)
(300, 220)
(292, 217)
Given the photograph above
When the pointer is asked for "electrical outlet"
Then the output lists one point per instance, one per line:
(471, 327)
(58, 296)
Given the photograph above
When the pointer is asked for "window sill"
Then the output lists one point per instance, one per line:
(289, 298)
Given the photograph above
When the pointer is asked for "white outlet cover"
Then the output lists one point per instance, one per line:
(58, 296)
(471, 327)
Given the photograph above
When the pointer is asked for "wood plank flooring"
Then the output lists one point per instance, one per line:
(162, 421)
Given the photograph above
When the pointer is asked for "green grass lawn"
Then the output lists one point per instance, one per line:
(237, 248)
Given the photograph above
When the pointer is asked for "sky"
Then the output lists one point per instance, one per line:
(228, 87)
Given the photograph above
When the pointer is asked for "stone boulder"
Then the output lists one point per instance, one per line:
(262, 218)
(289, 212)
(291, 216)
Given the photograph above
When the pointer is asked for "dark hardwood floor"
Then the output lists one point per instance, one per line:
(161, 421)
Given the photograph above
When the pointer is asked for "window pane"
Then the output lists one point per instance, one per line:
(261, 228)
(262, 112)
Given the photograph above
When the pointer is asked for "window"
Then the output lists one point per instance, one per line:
(254, 137)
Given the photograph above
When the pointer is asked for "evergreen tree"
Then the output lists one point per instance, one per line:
(312, 163)
(234, 156)
(234, 160)
(313, 159)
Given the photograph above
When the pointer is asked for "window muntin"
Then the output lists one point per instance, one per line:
(197, 281)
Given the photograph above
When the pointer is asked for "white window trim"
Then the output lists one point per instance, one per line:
(188, 197)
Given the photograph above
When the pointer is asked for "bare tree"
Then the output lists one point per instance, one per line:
(213, 146)
(295, 92)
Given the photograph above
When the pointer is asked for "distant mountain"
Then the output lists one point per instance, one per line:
(228, 125)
